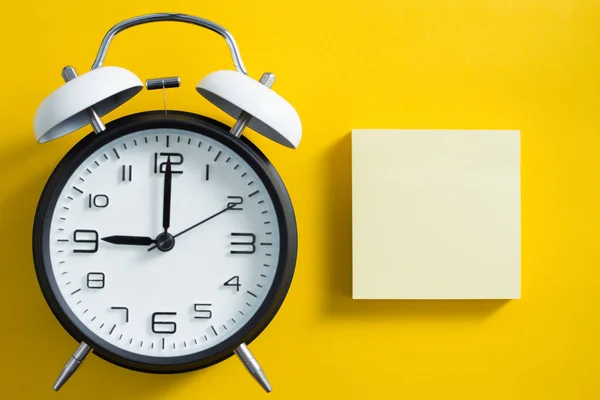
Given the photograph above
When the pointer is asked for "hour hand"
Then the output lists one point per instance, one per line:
(130, 240)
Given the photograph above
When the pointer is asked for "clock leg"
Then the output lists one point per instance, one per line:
(68, 74)
(266, 79)
(71, 366)
(253, 366)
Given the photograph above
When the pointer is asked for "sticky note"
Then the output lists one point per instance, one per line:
(436, 214)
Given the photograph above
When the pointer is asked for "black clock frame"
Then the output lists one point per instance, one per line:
(176, 120)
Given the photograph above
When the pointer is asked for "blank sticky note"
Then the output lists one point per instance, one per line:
(436, 214)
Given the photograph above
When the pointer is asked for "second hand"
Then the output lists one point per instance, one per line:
(199, 223)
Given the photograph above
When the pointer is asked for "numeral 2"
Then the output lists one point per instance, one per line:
(250, 246)
(235, 201)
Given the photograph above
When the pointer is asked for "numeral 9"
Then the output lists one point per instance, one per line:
(83, 236)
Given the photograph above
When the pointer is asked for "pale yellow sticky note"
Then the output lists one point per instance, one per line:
(436, 214)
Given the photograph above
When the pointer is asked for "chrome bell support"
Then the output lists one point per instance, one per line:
(68, 74)
(268, 79)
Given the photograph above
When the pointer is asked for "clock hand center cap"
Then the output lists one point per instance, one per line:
(165, 241)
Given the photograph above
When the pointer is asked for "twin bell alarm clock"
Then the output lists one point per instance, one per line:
(165, 241)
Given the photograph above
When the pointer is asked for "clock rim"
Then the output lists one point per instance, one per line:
(175, 120)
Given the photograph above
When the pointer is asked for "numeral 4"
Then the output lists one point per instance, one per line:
(235, 281)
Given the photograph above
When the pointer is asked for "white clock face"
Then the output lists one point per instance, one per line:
(164, 303)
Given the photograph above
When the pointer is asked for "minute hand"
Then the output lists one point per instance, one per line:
(199, 223)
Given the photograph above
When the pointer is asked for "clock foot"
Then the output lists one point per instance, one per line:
(71, 366)
(68, 74)
(266, 79)
(253, 366)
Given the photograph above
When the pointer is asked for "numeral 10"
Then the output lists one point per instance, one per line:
(98, 200)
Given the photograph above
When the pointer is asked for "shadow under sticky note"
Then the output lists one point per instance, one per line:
(436, 214)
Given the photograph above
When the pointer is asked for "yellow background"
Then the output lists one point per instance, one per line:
(501, 64)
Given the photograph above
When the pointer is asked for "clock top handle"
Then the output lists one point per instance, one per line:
(174, 17)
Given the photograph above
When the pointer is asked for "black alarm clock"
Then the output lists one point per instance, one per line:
(165, 241)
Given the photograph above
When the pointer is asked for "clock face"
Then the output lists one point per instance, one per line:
(141, 290)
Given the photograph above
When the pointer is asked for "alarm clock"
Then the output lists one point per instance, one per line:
(165, 241)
